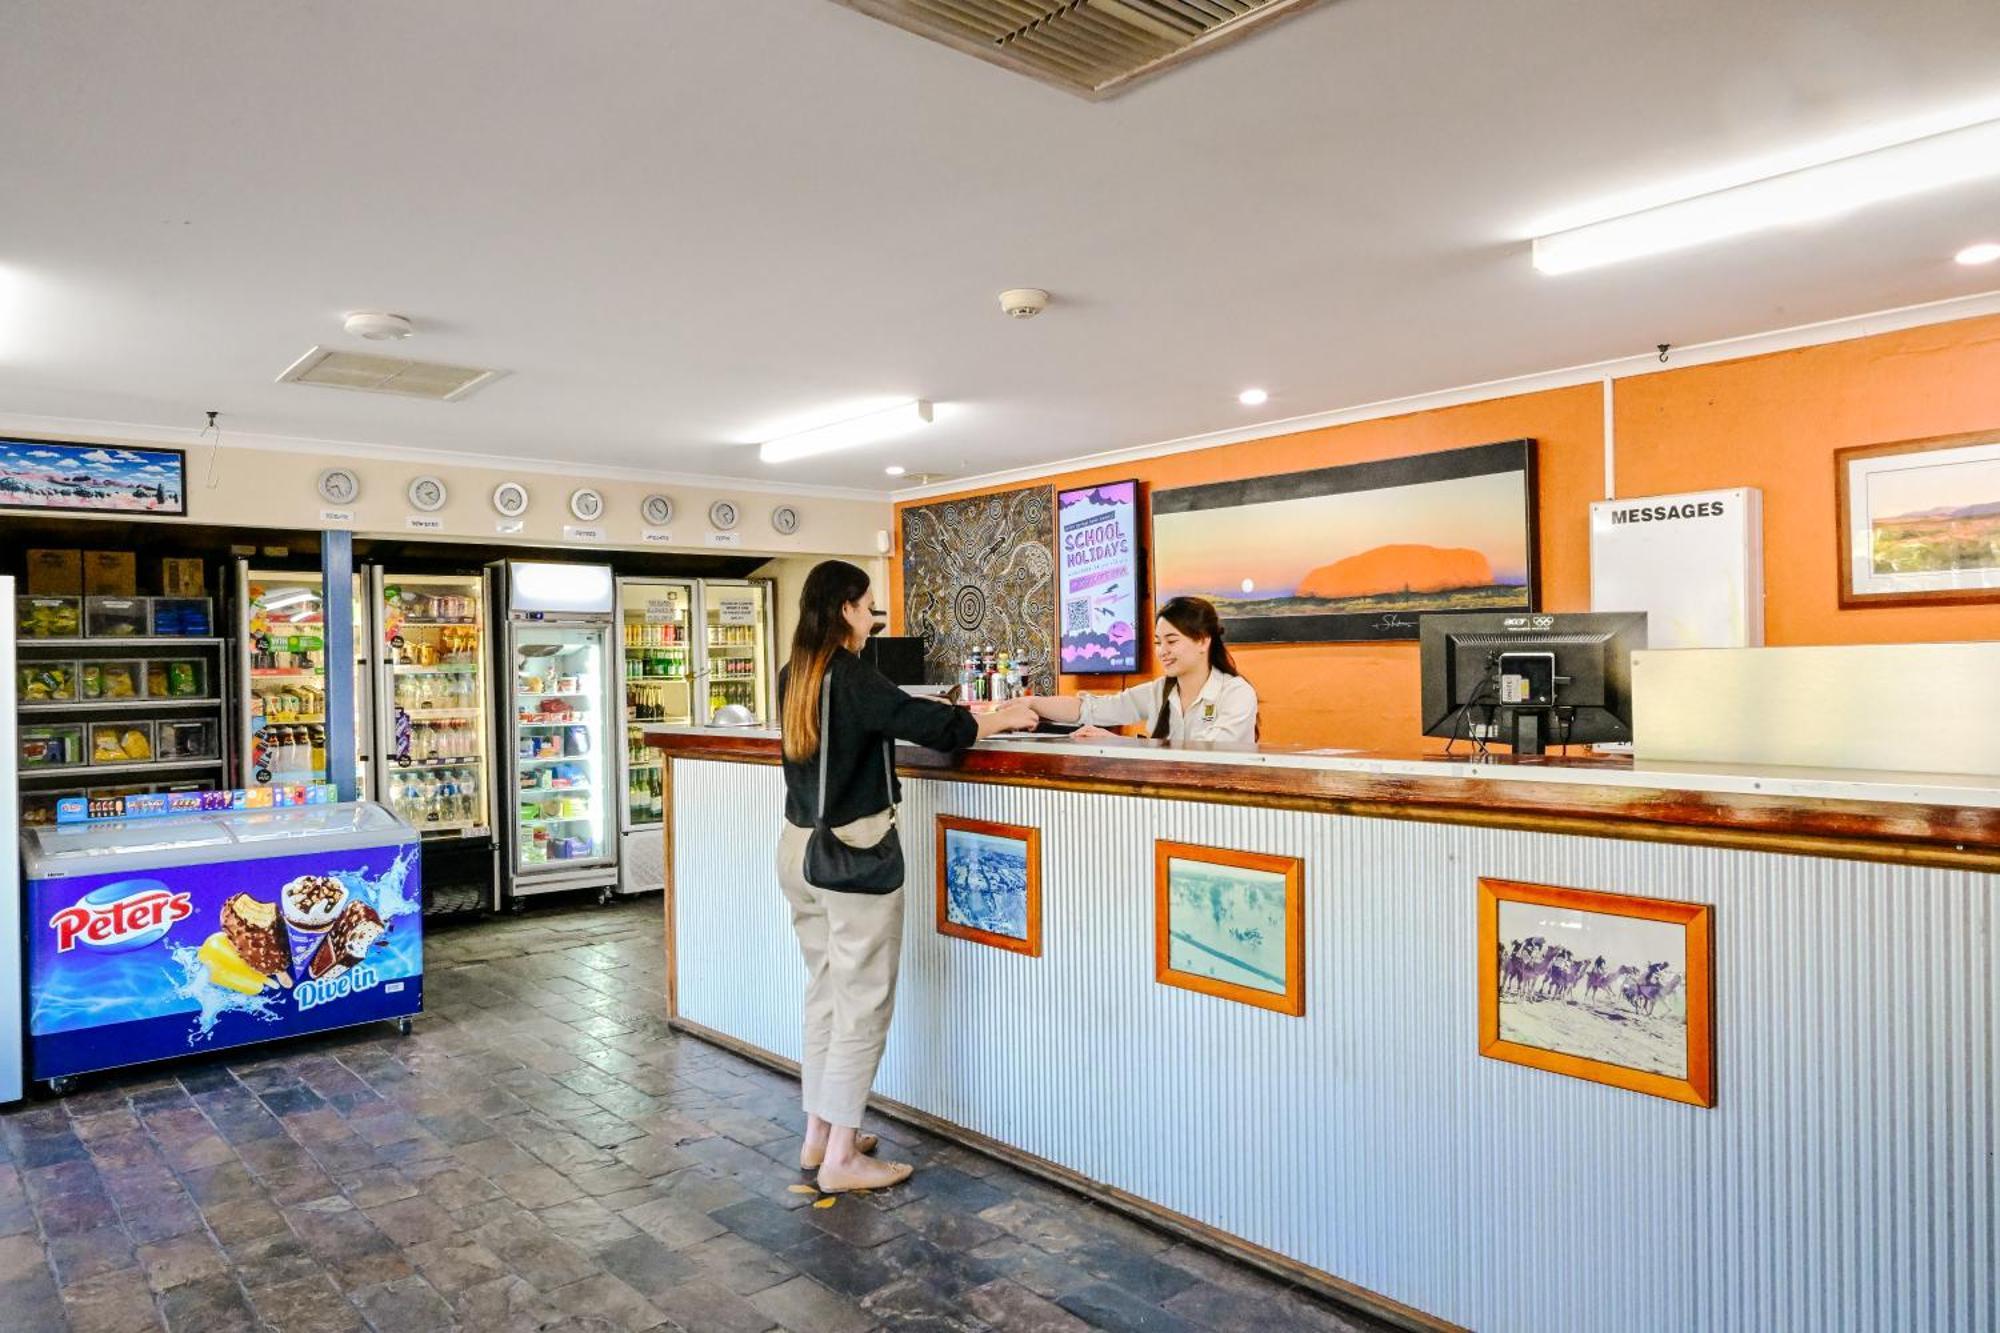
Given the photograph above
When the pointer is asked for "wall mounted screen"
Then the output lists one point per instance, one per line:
(44, 474)
(1355, 552)
(1097, 544)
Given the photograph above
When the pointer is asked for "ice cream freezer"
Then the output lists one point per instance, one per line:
(154, 938)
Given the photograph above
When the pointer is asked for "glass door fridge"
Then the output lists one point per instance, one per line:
(555, 683)
(657, 663)
(281, 660)
(740, 635)
(432, 727)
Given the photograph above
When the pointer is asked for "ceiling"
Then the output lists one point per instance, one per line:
(680, 225)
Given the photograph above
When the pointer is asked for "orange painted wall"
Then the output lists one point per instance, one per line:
(1770, 421)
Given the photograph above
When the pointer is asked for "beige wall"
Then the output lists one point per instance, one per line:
(790, 574)
(273, 488)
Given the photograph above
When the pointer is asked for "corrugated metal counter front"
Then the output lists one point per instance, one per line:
(1844, 1177)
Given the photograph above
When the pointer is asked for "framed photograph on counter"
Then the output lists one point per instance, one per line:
(1100, 571)
(1355, 552)
(1920, 521)
(1599, 986)
(989, 883)
(1230, 923)
(101, 478)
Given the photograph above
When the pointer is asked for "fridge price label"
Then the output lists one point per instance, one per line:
(736, 611)
(656, 537)
(725, 539)
(336, 515)
(573, 533)
(423, 523)
(663, 608)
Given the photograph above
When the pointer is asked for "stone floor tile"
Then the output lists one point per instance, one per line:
(1008, 1305)
(674, 1223)
(804, 1306)
(451, 1265)
(1135, 1271)
(701, 1304)
(606, 1297)
(180, 1260)
(406, 1305)
(90, 1254)
(306, 1305)
(911, 1306)
(1105, 1306)
(113, 1303)
(587, 1224)
(207, 1305)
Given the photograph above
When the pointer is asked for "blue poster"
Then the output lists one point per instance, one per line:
(1098, 578)
(45, 474)
(138, 965)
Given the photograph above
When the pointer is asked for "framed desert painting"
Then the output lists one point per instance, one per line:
(1920, 521)
(989, 883)
(1231, 924)
(1599, 986)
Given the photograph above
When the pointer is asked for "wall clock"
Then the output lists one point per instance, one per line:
(722, 515)
(586, 504)
(510, 498)
(657, 510)
(785, 519)
(427, 494)
(339, 486)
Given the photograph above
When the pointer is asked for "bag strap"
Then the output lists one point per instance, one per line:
(888, 751)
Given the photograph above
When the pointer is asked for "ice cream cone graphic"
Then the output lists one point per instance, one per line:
(310, 904)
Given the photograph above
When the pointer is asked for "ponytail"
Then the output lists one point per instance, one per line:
(1196, 618)
(821, 632)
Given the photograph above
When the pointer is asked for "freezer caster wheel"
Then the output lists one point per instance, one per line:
(604, 897)
(403, 1026)
(62, 1087)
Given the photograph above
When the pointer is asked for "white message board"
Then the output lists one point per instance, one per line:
(1693, 563)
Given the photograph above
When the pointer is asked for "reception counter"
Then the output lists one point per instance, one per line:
(1377, 1143)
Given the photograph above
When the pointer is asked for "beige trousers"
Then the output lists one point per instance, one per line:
(852, 944)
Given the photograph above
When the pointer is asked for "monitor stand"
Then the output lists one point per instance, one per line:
(1528, 730)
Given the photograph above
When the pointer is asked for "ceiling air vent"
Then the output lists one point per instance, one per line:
(1091, 47)
(386, 374)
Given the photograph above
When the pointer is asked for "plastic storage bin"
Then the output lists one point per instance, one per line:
(56, 746)
(45, 682)
(107, 680)
(189, 738)
(122, 742)
(116, 617)
(48, 617)
(177, 678)
(182, 617)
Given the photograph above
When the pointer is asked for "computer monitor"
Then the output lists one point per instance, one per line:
(897, 656)
(1530, 680)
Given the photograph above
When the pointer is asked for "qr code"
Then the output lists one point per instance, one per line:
(1076, 615)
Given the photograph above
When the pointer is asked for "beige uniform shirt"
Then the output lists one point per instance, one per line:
(1224, 711)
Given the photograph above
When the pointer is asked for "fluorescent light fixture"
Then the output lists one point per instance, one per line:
(1983, 253)
(1810, 194)
(292, 598)
(895, 469)
(1253, 398)
(870, 428)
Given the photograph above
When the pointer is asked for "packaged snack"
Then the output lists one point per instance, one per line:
(46, 682)
(181, 617)
(112, 679)
(58, 746)
(121, 742)
(116, 617)
(48, 617)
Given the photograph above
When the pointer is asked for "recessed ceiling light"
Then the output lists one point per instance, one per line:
(895, 469)
(1814, 193)
(1253, 398)
(869, 428)
(1983, 253)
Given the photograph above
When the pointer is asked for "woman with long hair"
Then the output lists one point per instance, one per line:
(851, 938)
(1200, 695)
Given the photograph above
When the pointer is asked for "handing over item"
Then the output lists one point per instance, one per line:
(1200, 695)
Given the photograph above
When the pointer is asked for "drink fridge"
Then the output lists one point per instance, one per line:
(281, 658)
(738, 666)
(553, 686)
(659, 662)
(150, 938)
(10, 864)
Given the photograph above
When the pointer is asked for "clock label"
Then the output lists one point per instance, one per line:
(336, 515)
(656, 537)
(725, 539)
(573, 533)
(423, 523)
(507, 527)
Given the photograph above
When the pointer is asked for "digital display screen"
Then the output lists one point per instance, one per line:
(1098, 578)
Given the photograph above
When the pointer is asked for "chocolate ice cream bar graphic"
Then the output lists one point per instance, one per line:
(256, 933)
(310, 905)
(347, 942)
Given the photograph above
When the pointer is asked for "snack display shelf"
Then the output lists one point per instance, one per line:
(118, 705)
(122, 641)
(74, 771)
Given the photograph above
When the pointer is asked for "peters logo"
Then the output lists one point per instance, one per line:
(127, 915)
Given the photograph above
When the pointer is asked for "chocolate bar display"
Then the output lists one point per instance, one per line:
(256, 933)
(347, 942)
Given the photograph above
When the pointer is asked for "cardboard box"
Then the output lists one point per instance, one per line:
(110, 574)
(55, 573)
(181, 578)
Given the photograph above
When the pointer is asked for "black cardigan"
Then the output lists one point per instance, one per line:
(866, 708)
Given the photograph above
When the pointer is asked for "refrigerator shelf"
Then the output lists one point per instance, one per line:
(118, 705)
(275, 673)
(74, 771)
(441, 669)
(130, 641)
(442, 714)
(441, 624)
(586, 818)
(652, 763)
(555, 791)
(555, 694)
(457, 761)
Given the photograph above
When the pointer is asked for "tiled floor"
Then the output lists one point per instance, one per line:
(543, 1154)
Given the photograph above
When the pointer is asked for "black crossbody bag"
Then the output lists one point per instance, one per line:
(831, 863)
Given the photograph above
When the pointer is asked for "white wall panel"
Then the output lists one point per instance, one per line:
(1844, 1181)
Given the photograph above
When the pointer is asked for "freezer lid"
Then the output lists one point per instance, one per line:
(68, 850)
(328, 827)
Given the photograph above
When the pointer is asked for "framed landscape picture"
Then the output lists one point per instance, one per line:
(101, 478)
(1920, 521)
(989, 883)
(1599, 986)
(1231, 924)
(1355, 552)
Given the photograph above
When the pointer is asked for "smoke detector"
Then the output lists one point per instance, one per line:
(1024, 302)
(377, 326)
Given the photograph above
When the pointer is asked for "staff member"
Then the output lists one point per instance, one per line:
(1201, 696)
(851, 940)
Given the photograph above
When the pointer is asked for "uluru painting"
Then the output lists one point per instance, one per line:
(1355, 552)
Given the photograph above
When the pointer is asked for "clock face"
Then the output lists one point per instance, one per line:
(657, 510)
(723, 514)
(511, 499)
(427, 494)
(585, 503)
(338, 486)
(785, 519)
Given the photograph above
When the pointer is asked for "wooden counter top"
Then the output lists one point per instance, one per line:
(1938, 820)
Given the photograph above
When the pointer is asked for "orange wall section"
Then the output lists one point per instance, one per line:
(1771, 421)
